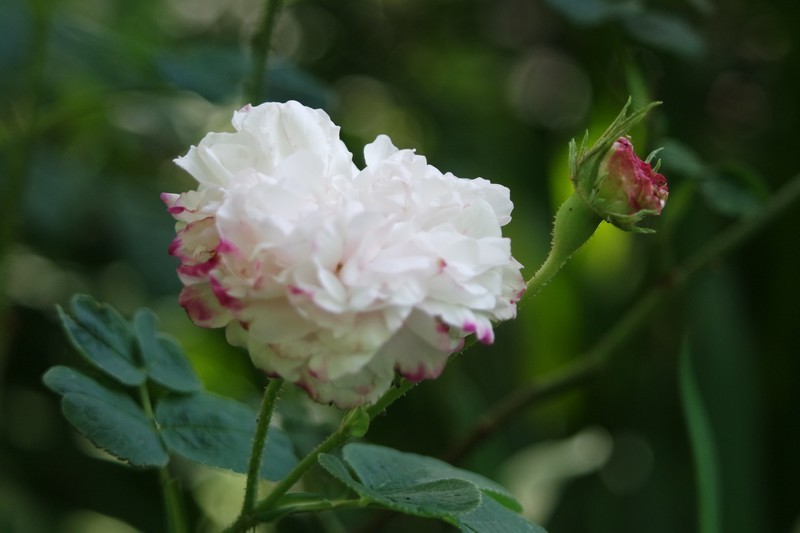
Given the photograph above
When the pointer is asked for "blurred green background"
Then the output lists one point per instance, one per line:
(98, 96)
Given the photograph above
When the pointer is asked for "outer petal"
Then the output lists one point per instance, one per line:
(202, 306)
(352, 390)
(421, 348)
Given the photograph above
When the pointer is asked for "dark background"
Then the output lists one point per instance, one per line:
(98, 96)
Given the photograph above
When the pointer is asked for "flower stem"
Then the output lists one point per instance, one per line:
(171, 494)
(334, 440)
(268, 508)
(339, 437)
(586, 366)
(260, 51)
(170, 490)
(262, 428)
(389, 397)
(574, 224)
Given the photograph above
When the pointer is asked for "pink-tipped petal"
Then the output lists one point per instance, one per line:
(223, 296)
(202, 307)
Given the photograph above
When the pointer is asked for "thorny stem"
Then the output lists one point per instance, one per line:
(574, 224)
(586, 366)
(334, 440)
(262, 428)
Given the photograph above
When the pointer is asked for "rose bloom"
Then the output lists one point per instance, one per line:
(332, 277)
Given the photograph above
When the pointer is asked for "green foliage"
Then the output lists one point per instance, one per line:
(492, 517)
(590, 12)
(424, 486)
(163, 358)
(661, 30)
(104, 339)
(109, 418)
(701, 436)
(732, 191)
(218, 431)
(189, 422)
(667, 32)
(444, 498)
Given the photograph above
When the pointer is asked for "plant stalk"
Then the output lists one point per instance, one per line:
(268, 508)
(574, 224)
(170, 490)
(262, 428)
(260, 51)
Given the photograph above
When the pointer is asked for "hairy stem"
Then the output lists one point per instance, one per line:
(390, 397)
(262, 428)
(574, 224)
(596, 358)
(336, 439)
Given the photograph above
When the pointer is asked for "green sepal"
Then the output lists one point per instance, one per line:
(356, 422)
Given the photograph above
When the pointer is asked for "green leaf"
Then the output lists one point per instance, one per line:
(703, 6)
(729, 198)
(424, 486)
(386, 465)
(704, 450)
(679, 158)
(732, 191)
(103, 337)
(166, 363)
(218, 431)
(112, 420)
(491, 517)
(442, 498)
(667, 32)
(592, 12)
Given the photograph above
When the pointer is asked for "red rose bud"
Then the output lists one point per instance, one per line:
(612, 180)
(627, 188)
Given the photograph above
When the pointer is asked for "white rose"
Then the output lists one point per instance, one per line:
(331, 277)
